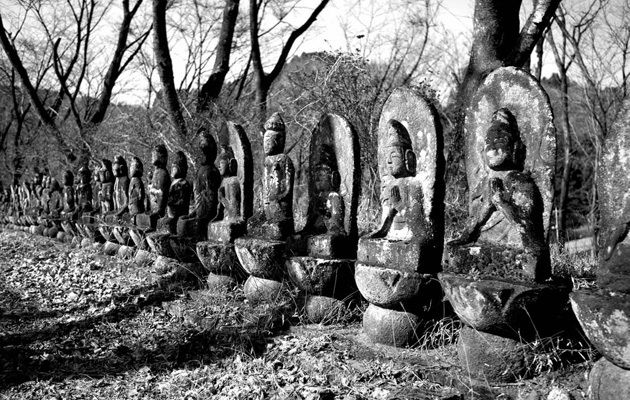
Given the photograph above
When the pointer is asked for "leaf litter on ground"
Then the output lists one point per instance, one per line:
(77, 324)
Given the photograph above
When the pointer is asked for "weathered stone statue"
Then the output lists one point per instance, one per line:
(205, 188)
(230, 190)
(235, 203)
(69, 205)
(507, 206)
(498, 275)
(326, 247)
(158, 190)
(278, 176)
(84, 190)
(69, 214)
(106, 194)
(396, 264)
(604, 313)
(180, 191)
(121, 187)
(262, 252)
(136, 188)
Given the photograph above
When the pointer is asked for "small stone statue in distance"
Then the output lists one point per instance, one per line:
(278, 175)
(178, 203)
(327, 212)
(206, 184)
(121, 186)
(230, 190)
(106, 195)
(136, 188)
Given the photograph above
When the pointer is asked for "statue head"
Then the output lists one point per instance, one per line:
(54, 185)
(105, 173)
(68, 178)
(120, 167)
(274, 136)
(208, 147)
(504, 148)
(137, 169)
(179, 169)
(159, 156)
(399, 154)
(85, 175)
(37, 177)
(327, 177)
(227, 163)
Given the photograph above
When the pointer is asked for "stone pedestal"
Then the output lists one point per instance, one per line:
(324, 282)
(221, 261)
(387, 274)
(111, 248)
(264, 261)
(226, 232)
(492, 358)
(608, 381)
(605, 318)
(391, 327)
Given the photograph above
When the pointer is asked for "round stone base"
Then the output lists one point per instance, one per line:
(126, 252)
(219, 258)
(52, 232)
(261, 257)
(220, 282)
(324, 310)
(143, 257)
(111, 248)
(260, 290)
(39, 230)
(492, 358)
(608, 381)
(85, 243)
(390, 327)
(61, 236)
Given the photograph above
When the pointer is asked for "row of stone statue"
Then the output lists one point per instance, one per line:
(496, 273)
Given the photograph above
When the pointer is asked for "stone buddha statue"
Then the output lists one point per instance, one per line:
(136, 188)
(401, 197)
(206, 185)
(230, 190)
(160, 183)
(121, 186)
(229, 222)
(506, 207)
(84, 190)
(106, 194)
(56, 204)
(278, 176)
(69, 205)
(178, 203)
(326, 210)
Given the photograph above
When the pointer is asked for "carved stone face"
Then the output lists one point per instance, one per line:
(119, 167)
(273, 142)
(323, 179)
(159, 156)
(396, 161)
(504, 149)
(224, 167)
(68, 178)
(136, 167)
(85, 175)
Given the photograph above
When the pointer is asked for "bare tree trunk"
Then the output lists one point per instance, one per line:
(566, 136)
(165, 67)
(212, 88)
(262, 80)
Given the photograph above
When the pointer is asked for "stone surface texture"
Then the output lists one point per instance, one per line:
(605, 319)
(614, 205)
(391, 327)
(609, 382)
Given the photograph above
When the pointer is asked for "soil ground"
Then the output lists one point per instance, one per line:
(75, 324)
